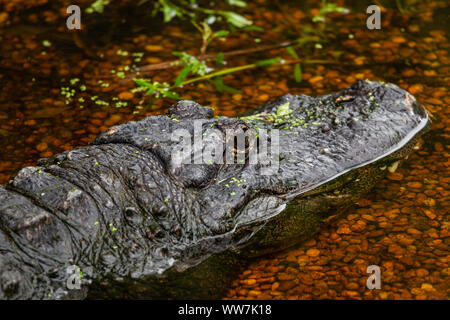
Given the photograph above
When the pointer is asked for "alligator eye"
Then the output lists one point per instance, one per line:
(241, 143)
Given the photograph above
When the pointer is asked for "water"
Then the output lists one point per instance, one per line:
(402, 226)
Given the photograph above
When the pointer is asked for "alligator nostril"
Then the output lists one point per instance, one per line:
(159, 234)
(53, 274)
(154, 230)
(159, 210)
(130, 212)
(164, 251)
(176, 231)
(132, 215)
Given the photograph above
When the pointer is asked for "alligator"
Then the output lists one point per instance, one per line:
(119, 218)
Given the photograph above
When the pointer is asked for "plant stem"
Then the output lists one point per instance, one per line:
(220, 73)
(250, 66)
(171, 64)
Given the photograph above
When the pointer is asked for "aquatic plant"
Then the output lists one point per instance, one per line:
(212, 67)
(403, 6)
(326, 8)
(297, 66)
(97, 6)
(166, 90)
(193, 11)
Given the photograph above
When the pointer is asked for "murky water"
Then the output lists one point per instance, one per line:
(402, 226)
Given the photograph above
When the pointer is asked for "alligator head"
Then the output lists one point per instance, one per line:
(170, 206)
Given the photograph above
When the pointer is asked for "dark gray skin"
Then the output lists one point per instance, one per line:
(139, 227)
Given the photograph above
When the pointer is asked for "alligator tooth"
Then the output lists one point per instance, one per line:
(393, 167)
(383, 168)
(407, 156)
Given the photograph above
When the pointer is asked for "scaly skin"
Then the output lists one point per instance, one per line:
(140, 227)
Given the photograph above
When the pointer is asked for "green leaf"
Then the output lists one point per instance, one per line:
(230, 89)
(218, 34)
(298, 72)
(268, 62)
(236, 19)
(169, 10)
(220, 86)
(142, 82)
(145, 84)
(253, 28)
(197, 67)
(237, 3)
(97, 6)
(168, 14)
(178, 53)
(170, 94)
(221, 33)
(220, 59)
(218, 83)
(183, 74)
(292, 52)
(318, 19)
